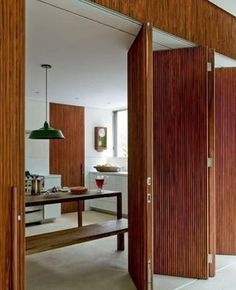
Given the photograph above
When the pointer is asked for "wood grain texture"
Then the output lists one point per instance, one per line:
(225, 161)
(211, 170)
(140, 95)
(139, 9)
(34, 200)
(199, 21)
(12, 72)
(180, 163)
(67, 155)
(54, 240)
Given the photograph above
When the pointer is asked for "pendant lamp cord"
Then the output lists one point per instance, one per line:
(46, 93)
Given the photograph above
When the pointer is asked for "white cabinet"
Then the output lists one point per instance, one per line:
(52, 210)
(113, 181)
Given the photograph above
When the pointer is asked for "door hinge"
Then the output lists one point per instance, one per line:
(149, 198)
(210, 258)
(209, 66)
(149, 267)
(209, 162)
(149, 181)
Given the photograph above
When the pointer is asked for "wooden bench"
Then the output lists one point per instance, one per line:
(53, 240)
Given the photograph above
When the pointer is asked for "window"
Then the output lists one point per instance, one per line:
(121, 133)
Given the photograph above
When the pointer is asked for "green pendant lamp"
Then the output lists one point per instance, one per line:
(46, 132)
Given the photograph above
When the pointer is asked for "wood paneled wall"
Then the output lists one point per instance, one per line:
(199, 21)
(67, 155)
(180, 162)
(12, 79)
(226, 161)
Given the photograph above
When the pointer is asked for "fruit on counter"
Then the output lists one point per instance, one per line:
(107, 165)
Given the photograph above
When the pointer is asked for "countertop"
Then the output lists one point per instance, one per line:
(120, 173)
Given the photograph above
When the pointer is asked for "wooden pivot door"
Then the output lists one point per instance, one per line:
(184, 241)
(67, 155)
(140, 94)
(226, 161)
(12, 99)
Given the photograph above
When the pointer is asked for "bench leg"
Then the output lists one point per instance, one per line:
(120, 237)
(120, 242)
(80, 209)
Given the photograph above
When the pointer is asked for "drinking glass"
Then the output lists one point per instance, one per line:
(99, 179)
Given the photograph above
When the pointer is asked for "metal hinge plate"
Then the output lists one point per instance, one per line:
(149, 198)
(149, 181)
(149, 267)
(209, 66)
(209, 162)
(210, 258)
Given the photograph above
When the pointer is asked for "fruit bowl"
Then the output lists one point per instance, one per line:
(102, 168)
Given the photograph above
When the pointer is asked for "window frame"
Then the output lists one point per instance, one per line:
(115, 130)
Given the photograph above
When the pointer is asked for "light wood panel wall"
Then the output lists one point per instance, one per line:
(226, 161)
(12, 79)
(67, 155)
(199, 21)
(180, 163)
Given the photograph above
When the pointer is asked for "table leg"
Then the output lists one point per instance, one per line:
(80, 209)
(120, 237)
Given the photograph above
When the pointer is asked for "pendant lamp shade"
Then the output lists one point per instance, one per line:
(46, 132)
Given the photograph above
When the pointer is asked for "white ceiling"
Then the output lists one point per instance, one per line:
(224, 61)
(87, 47)
(88, 59)
(227, 5)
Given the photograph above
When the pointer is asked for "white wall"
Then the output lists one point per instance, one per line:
(96, 118)
(36, 151)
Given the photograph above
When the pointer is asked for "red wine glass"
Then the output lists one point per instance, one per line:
(99, 182)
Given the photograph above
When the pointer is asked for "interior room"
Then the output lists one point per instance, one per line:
(87, 91)
(104, 103)
(118, 149)
(101, 102)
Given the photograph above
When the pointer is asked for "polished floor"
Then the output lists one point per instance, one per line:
(97, 265)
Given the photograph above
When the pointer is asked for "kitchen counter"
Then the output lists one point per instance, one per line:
(113, 181)
(125, 173)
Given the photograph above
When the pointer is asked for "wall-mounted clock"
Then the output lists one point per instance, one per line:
(100, 138)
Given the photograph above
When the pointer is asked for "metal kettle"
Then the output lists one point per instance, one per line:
(37, 184)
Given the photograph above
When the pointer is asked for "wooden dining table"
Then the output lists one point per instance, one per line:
(48, 241)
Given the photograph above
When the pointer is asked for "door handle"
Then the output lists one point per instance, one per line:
(82, 174)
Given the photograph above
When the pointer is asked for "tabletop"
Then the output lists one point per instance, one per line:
(41, 199)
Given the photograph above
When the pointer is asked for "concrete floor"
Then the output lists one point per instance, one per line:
(97, 265)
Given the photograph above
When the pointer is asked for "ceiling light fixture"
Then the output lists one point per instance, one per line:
(46, 132)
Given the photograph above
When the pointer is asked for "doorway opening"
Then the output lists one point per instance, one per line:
(87, 48)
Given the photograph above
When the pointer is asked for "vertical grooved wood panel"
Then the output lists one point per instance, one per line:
(67, 155)
(12, 100)
(140, 96)
(180, 162)
(226, 161)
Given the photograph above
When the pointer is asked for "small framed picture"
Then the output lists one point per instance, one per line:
(100, 134)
